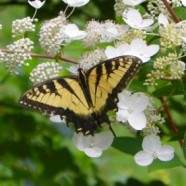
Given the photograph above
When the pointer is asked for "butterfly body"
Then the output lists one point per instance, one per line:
(86, 98)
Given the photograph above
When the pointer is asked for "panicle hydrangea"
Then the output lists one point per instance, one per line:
(169, 37)
(91, 59)
(167, 67)
(19, 53)
(45, 71)
(51, 37)
(100, 32)
(20, 26)
(130, 35)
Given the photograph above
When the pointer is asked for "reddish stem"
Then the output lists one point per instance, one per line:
(171, 11)
(43, 56)
(171, 121)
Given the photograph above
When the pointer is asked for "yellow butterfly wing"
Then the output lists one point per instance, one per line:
(107, 79)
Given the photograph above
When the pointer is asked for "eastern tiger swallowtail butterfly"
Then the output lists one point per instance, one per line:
(86, 98)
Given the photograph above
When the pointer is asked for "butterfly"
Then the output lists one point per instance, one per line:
(84, 99)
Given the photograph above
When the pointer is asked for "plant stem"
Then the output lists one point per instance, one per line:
(171, 11)
(43, 56)
(171, 121)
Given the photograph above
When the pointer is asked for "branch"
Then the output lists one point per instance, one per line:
(43, 56)
(171, 11)
(171, 121)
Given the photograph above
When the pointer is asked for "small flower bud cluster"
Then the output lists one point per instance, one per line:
(18, 55)
(51, 37)
(169, 37)
(155, 7)
(102, 32)
(20, 26)
(153, 118)
(91, 59)
(130, 35)
(119, 7)
(168, 67)
(45, 71)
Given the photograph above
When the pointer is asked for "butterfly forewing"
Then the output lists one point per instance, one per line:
(108, 78)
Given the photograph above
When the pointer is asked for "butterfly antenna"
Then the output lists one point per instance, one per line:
(111, 129)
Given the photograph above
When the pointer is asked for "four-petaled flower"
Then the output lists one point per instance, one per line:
(153, 149)
(93, 146)
(131, 108)
(138, 48)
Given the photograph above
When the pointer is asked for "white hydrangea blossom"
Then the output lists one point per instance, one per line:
(45, 71)
(131, 108)
(20, 26)
(51, 35)
(138, 48)
(93, 146)
(19, 53)
(153, 149)
(103, 32)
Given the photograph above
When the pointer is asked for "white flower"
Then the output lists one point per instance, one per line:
(133, 2)
(73, 32)
(163, 20)
(76, 3)
(153, 149)
(138, 48)
(93, 146)
(36, 3)
(134, 19)
(73, 69)
(183, 2)
(131, 108)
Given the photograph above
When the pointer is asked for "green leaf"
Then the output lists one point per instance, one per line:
(128, 145)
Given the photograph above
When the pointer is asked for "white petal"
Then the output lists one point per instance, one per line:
(137, 120)
(166, 153)
(93, 152)
(73, 32)
(123, 48)
(163, 20)
(103, 140)
(151, 50)
(133, 2)
(36, 4)
(142, 158)
(76, 3)
(139, 101)
(132, 18)
(151, 144)
(124, 100)
(138, 44)
(122, 115)
(56, 119)
(111, 52)
(182, 64)
(146, 23)
(80, 141)
(183, 2)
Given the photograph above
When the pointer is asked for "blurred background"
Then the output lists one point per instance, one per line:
(36, 152)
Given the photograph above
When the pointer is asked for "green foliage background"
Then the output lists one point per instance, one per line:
(34, 152)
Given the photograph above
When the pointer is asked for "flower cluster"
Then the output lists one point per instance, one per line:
(19, 53)
(168, 67)
(44, 71)
(20, 26)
